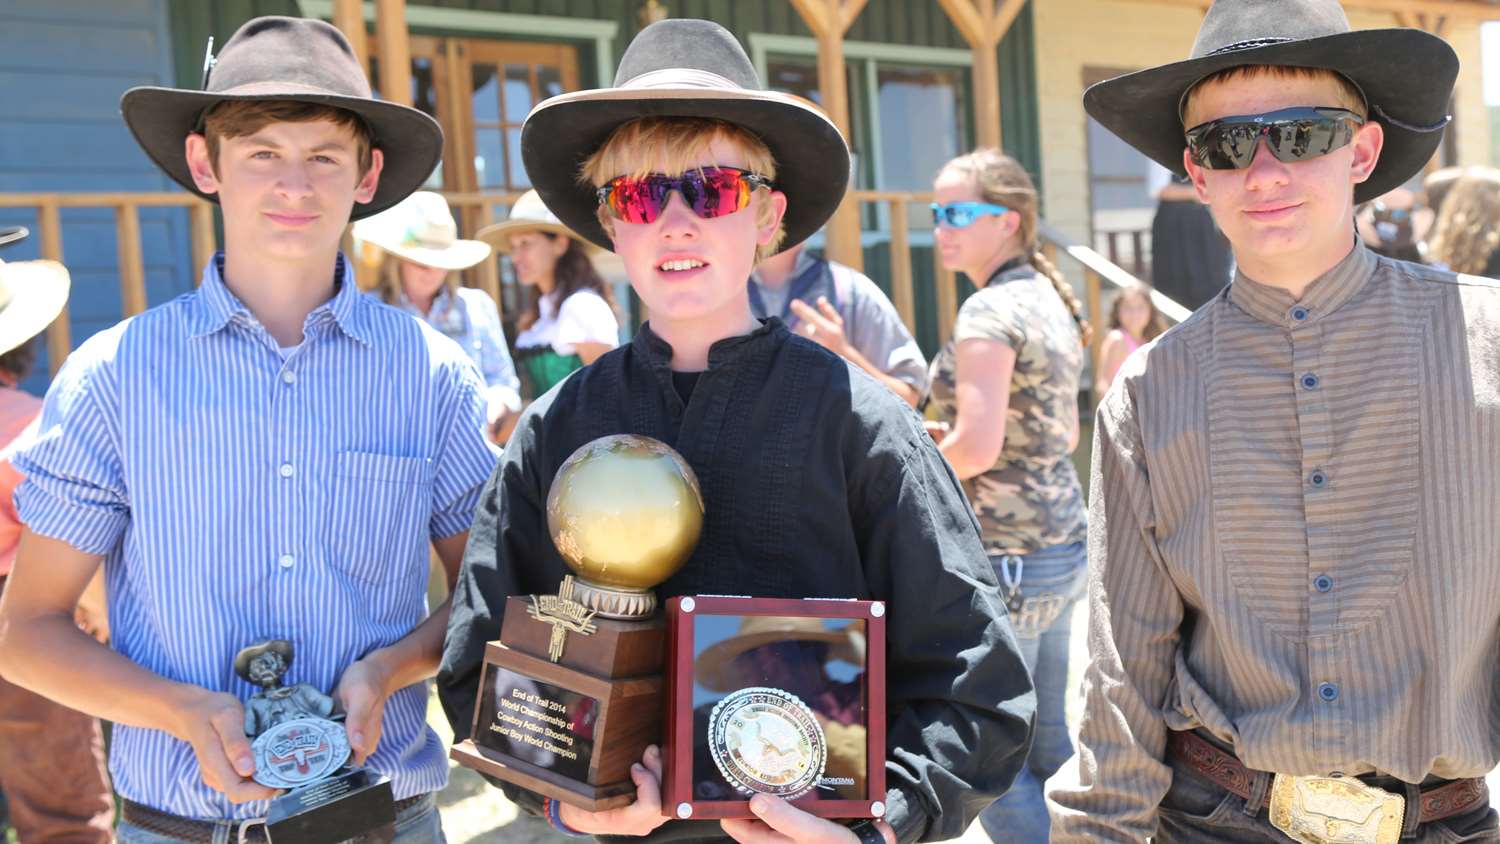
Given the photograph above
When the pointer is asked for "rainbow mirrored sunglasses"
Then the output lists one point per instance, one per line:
(1292, 134)
(710, 191)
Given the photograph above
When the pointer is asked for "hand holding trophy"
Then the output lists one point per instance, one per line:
(299, 746)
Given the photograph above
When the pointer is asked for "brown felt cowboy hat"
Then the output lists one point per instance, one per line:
(278, 58)
(32, 294)
(1406, 76)
(714, 668)
(685, 68)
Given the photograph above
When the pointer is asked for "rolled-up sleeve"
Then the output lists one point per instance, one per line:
(960, 699)
(1135, 616)
(74, 488)
(465, 457)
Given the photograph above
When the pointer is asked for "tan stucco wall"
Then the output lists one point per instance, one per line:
(1132, 34)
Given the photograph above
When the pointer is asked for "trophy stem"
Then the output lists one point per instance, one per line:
(615, 601)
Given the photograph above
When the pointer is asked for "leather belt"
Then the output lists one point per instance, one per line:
(202, 832)
(1226, 771)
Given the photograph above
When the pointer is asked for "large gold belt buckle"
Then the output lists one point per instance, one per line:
(1335, 810)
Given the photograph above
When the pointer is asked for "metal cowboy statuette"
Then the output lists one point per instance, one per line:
(300, 745)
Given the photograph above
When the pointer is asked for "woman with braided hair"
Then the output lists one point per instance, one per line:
(1005, 391)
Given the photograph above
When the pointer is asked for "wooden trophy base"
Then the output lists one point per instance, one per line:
(567, 729)
(503, 766)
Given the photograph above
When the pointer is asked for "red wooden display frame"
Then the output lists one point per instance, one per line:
(677, 735)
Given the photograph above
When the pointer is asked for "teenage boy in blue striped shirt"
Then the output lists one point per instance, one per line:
(265, 457)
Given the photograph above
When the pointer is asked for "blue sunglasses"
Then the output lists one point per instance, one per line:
(960, 215)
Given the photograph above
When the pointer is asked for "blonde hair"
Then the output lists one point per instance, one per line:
(678, 143)
(388, 279)
(1468, 228)
(1003, 181)
(1349, 95)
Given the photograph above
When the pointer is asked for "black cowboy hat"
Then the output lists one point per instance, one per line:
(1406, 76)
(686, 68)
(277, 58)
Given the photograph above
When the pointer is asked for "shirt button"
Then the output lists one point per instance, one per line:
(1310, 381)
(1328, 692)
(1323, 583)
(1317, 478)
(1299, 314)
(289, 377)
(286, 470)
(287, 561)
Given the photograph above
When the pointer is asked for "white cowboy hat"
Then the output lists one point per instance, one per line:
(529, 214)
(32, 294)
(420, 228)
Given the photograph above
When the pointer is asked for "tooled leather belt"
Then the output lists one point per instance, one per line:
(1226, 771)
(202, 832)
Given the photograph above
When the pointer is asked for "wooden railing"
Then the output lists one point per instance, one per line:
(477, 210)
(126, 206)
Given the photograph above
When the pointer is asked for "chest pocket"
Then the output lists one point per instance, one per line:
(377, 518)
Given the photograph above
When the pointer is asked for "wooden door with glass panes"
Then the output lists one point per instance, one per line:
(480, 91)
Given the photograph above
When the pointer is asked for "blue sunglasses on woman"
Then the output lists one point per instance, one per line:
(960, 215)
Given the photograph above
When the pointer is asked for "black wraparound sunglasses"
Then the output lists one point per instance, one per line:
(1292, 134)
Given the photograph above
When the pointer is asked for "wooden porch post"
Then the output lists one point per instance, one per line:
(349, 17)
(983, 23)
(395, 51)
(829, 20)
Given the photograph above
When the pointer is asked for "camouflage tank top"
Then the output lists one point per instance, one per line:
(1031, 498)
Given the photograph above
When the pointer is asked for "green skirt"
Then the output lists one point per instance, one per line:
(541, 368)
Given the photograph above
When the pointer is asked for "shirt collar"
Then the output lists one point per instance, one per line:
(442, 305)
(1326, 294)
(217, 306)
(658, 352)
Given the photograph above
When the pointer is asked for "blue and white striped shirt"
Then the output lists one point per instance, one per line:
(239, 494)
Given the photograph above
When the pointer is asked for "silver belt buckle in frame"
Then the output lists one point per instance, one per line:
(1335, 810)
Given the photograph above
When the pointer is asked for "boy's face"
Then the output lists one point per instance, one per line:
(1280, 216)
(288, 189)
(720, 252)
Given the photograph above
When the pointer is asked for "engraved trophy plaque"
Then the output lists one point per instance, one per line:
(570, 696)
(775, 696)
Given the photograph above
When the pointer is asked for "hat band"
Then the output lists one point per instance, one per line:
(1248, 45)
(682, 77)
(1436, 127)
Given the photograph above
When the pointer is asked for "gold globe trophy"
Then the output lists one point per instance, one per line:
(570, 696)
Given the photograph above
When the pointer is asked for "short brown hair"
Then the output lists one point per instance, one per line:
(1349, 96)
(631, 149)
(238, 118)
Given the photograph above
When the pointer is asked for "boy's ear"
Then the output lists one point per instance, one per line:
(365, 190)
(1195, 175)
(1369, 140)
(768, 221)
(200, 165)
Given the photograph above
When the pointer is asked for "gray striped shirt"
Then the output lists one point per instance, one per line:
(1293, 540)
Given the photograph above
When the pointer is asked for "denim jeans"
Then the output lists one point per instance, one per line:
(1052, 581)
(416, 824)
(1195, 811)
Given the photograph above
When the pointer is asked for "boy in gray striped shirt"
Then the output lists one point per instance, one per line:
(1296, 582)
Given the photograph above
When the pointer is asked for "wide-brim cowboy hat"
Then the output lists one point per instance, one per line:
(714, 668)
(32, 295)
(1406, 76)
(685, 68)
(279, 58)
(243, 659)
(529, 214)
(421, 229)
